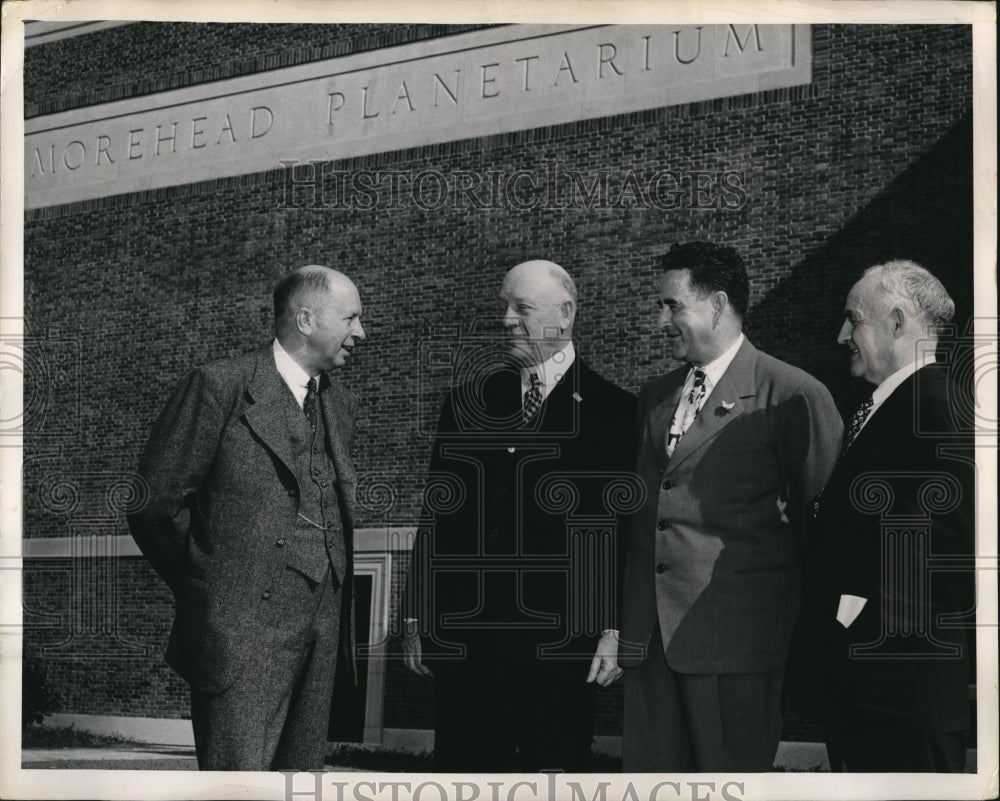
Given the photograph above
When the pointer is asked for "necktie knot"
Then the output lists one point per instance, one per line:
(532, 397)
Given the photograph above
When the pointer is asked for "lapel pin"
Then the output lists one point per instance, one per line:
(724, 408)
(577, 398)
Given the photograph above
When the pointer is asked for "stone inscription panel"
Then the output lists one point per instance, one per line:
(495, 81)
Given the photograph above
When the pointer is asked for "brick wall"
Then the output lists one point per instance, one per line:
(123, 295)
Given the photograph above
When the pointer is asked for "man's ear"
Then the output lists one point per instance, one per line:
(567, 311)
(719, 301)
(897, 322)
(304, 321)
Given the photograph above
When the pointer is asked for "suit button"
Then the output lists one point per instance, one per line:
(511, 450)
(322, 483)
(668, 485)
(280, 542)
(661, 568)
(266, 594)
(293, 494)
(494, 533)
(662, 525)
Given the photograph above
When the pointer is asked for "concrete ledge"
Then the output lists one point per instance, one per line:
(162, 731)
(799, 757)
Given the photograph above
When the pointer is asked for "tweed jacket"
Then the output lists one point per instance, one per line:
(220, 523)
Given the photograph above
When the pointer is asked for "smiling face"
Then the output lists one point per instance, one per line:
(538, 318)
(687, 319)
(330, 322)
(867, 332)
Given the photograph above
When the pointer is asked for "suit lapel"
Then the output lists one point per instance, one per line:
(336, 416)
(663, 405)
(557, 412)
(267, 416)
(729, 400)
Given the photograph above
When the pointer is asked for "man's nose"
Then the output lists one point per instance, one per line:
(359, 332)
(844, 333)
(664, 317)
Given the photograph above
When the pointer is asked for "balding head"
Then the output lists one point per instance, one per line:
(540, 299)
(317, 317)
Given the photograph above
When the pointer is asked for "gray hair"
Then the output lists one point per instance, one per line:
(910, 281)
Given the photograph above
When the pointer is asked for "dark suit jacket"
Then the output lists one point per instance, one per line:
(895, 477)
(713, 554)
(516, 550)
(220, 523)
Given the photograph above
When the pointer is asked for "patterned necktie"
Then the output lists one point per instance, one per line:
(858, 420)
(687, 411)
(310, 405)
(532, 398)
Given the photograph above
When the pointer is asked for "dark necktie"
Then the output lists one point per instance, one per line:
(687, 411)
(311, 404)
(532, 398)
(858, 420)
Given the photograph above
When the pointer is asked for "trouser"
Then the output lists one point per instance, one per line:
(275, 716)
(501, 715)
(680, 722)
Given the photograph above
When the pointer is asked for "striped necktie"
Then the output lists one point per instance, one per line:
(532, 398)
(857, 421)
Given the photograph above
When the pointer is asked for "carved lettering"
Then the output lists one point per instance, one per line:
(364, 105)
(404, 94)
(677, 48)
(36, 164)
(607, 53)
(527, 64)
(227, 127)
(103, 143)
(263, 113)
(66, 155)
(161, 139)
(438, 82)
(566, 66)
(732, 35)
(133, 143)
(490, 80)
(334, 103)
(197, 131)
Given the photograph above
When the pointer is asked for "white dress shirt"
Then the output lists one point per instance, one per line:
(292, 373)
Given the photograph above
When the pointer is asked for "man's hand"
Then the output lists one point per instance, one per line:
(412, 651)
(604, 667)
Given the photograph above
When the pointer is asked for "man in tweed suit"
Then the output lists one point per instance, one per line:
(249, 521)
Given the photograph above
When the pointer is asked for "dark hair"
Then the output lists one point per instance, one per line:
(294, 285)
(713, 268)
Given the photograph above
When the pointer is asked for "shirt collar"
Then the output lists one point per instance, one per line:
(715, 368)
(551, 371)
(886, 388)
(294, 376)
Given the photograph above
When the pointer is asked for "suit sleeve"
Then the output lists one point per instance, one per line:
(173, 467)
(416, 598)
(811, 432)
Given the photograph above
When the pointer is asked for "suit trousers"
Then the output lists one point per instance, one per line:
(684, 723)
(277, 713)
(498, 715)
